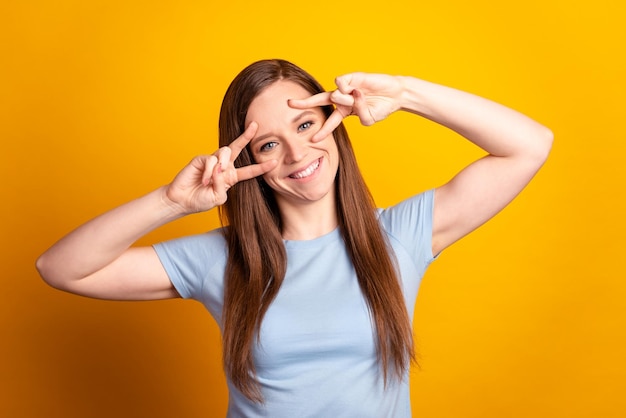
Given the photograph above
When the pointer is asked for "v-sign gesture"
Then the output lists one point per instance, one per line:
(97, 259)
(371, 97)
(516, 146)
(203, 183)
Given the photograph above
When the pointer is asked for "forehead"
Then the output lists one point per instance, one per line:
(273, 99)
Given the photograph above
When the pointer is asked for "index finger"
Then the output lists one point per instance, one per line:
(254, 170)
(329, 126)
(242, 141)
(319, 99)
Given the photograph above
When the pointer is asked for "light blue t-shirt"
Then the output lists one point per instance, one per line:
(317, 353)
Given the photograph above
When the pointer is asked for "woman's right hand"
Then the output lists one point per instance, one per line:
(97, 260)
(203, 183)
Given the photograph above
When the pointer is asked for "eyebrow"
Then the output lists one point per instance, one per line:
(294, 120)
(305, 113)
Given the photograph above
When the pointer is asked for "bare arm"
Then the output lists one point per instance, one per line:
(516, 145)
(97, 259)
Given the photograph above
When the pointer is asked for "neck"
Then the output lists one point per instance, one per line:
(307, 221)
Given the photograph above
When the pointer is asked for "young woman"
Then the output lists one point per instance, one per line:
(312, 286)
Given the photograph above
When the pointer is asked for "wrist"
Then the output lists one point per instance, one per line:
(412, 94)
(169, 207)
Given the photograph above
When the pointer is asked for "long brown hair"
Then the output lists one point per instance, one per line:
(256, 255)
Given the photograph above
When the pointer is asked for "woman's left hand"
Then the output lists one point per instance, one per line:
(371, 97)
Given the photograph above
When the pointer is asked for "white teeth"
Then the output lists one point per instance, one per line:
(306, 172)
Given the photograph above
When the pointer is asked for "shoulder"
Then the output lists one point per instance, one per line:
(195, 265)
(409, 227)
(208, 241)
(415, 210)
(195, 253)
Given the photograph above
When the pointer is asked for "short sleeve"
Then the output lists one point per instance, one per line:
(410, 225)
(195, 265)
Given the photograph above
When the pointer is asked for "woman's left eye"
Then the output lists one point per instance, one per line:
(305, 126)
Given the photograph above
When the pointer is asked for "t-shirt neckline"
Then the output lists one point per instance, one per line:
(315, 242)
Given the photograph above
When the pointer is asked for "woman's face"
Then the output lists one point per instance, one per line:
(306, 170)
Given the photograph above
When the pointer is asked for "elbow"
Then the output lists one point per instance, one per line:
(547, 139)
(47, 272)
(43, 270)
(543, 145)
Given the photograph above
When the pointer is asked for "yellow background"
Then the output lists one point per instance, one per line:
(102, 101)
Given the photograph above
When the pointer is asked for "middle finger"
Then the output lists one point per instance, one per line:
(329, 126)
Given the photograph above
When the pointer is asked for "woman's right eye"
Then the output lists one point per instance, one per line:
(267, 147)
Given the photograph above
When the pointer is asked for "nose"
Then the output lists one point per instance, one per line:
(295, 150)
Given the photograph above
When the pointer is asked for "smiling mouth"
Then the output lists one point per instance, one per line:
(307, 171)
